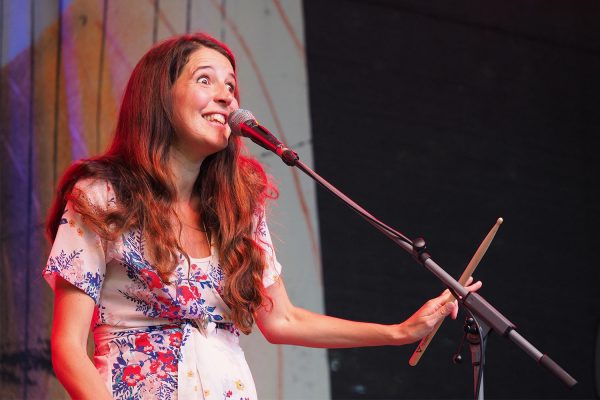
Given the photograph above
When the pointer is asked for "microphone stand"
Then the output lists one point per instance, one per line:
(476, 335)
(485, 313)
(477, 342)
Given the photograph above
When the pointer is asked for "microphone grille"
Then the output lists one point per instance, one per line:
(237, 118)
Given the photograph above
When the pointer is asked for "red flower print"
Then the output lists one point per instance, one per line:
(142, 343)
(166, 309)
(162, 374)
(132, 374)
(229, 393)
(168, 359)
(175, 339)
(170, 312)
(186, 293)
(203, 277)
(155, 369)
(154, 366)
(151, 278)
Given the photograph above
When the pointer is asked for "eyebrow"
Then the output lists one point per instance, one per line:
(211, 67)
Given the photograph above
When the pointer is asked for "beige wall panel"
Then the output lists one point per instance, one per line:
(171, 18)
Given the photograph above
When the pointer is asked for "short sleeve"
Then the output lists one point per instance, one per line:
(263, 237)
(77, 254)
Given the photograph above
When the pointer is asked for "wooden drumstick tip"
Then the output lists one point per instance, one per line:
(499, 221)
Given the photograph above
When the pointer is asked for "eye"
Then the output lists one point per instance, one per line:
(203, 79)
(230, 87)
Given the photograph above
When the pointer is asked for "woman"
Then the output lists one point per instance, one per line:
(161, 246)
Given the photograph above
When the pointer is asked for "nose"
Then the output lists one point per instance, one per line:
(223, 95)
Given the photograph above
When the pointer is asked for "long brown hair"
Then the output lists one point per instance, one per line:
(232, 187)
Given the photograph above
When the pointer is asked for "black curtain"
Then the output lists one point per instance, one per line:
(439, 117)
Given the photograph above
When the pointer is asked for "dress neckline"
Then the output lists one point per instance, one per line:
(196, 260)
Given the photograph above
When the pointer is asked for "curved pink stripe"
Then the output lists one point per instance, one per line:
(164, 19)
(290, 28)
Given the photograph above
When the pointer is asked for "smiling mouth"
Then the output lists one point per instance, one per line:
(218, 118)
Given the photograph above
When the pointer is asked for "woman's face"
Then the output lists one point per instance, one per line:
(203, 98)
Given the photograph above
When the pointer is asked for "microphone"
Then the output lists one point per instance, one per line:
(243, 123)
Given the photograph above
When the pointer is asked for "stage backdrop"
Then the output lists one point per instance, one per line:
(64, 66)
(439, 117)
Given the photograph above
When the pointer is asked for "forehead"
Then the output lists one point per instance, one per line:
(207, 57)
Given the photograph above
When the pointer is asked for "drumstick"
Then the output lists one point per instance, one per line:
(450, 297)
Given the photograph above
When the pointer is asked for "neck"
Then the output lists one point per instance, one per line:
(185, 172)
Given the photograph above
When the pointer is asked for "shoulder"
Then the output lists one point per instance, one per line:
(260, 228)
(98, 192)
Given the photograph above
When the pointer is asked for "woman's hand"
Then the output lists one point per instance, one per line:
(424, 320)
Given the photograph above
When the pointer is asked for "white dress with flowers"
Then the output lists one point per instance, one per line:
(154, 341)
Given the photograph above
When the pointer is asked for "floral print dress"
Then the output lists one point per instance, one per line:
(154, 340)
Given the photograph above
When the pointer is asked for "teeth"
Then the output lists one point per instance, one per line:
(215, 118)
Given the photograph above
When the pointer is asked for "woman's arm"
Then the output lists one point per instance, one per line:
(284, 323)
(73, 310)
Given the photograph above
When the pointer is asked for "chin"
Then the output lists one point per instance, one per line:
(218, 146)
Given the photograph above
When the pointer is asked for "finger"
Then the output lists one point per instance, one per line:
(454, 310)
(436, 305)
(475, 286)
(448, 309)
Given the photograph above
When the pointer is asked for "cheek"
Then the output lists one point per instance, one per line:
(178, 118)
(198, 99)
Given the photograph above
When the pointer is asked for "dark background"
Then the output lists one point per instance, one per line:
(439, 117)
